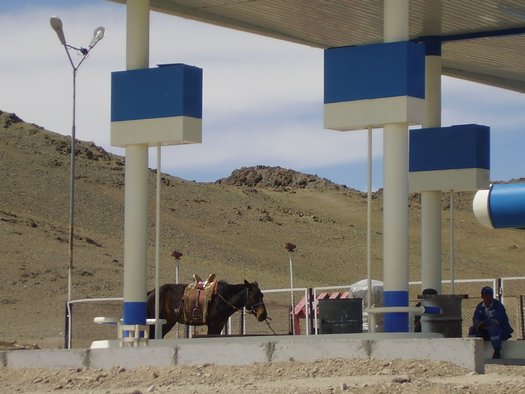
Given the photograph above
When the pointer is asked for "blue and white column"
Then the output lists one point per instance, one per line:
(431, 199)
(383, 85)
(448, 158)
(136, 178)
(149, 108)
(395, 193)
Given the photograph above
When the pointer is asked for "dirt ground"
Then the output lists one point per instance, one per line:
(330, 376)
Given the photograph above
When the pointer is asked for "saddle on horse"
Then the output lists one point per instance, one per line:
(197, 296)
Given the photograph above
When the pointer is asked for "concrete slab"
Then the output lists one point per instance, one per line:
(465, 352)
(222, 352)
(47, 358)
(132, 357)
(321, 349)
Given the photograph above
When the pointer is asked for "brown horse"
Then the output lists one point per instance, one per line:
(227, 300)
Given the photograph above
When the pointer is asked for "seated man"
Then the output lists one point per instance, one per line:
(490, 321)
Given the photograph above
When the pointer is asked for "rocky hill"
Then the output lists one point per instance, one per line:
(276, 178)
(235, 227)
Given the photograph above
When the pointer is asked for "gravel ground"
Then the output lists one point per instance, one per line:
(329, 376)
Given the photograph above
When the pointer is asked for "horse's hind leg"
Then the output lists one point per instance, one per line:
(166, 328)
(152, 332)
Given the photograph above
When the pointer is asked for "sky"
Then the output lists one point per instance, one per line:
(262, 97)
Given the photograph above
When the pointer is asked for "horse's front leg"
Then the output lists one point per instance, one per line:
(215, 328)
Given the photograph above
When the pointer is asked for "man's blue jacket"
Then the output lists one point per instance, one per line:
(496, 315)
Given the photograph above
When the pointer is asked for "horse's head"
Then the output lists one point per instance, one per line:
(254, 300)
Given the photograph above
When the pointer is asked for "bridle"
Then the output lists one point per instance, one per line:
(250, 309)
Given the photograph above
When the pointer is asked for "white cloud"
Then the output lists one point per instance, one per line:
(262, 97)
(467, 102)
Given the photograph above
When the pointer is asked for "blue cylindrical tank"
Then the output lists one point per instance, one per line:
(507, 205)
(502, 206)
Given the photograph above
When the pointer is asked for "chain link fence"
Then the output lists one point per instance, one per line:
(81, 330)
(80, 327)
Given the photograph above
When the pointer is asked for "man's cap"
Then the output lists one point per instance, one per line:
(430, 292)
(487, 290)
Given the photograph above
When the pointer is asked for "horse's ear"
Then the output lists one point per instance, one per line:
(256, 284)
(246, 283)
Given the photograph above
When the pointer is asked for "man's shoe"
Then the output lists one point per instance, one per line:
(497, 354)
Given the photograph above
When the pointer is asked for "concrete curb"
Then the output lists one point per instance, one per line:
(464, 352)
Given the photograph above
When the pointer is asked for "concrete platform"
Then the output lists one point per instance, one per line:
(465, 352)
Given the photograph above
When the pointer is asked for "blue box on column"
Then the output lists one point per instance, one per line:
(450, 158)
(154, 106)
(374, 85)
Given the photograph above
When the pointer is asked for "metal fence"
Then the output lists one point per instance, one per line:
(510, 291)
(80, 327)
(81, 330)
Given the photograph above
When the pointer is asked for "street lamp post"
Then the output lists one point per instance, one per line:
(56, 24)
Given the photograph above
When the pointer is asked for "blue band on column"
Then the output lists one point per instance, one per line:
(134, 312)
(396, 321)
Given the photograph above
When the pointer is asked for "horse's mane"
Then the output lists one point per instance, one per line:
(222, 285)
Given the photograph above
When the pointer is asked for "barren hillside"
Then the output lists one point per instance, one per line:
(235, 227)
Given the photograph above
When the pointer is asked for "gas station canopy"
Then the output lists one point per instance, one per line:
(482, 41)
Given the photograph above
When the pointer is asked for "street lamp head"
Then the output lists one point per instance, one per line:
(98, 35)
(56, 24)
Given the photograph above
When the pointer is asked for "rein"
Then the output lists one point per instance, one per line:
(249, 309)
(227, 302)
(270, 327)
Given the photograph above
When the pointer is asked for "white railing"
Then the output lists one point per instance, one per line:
(507, 285)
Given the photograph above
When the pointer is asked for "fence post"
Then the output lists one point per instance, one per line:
(67, 326)
(310, 306)
(521, 313)
(242, 322)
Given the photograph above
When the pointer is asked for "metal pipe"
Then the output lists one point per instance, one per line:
(291, 294)
(452, 244)
(369, 222)
(158, 332)
(417, 310)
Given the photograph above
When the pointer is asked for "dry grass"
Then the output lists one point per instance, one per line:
(235, 231)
